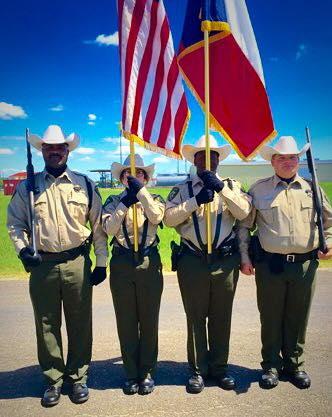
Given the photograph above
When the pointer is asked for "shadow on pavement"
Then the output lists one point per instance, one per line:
(109, 374)
(244, 377)
(22, 382)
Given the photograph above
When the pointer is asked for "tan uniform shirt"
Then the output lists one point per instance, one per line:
(115, 213)
(61, 213)
(285, 217)
(232, 203)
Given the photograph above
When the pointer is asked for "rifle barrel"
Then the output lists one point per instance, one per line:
(316, 194)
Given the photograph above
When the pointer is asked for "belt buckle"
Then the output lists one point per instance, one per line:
(290, 258)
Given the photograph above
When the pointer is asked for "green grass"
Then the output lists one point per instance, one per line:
(12, 267)
(10, 264)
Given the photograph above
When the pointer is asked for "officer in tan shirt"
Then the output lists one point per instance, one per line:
(65, 202)
(285, 257)
(207, 283)
(136, 281)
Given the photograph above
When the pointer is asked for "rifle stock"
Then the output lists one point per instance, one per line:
(316, 194)
(31, 192)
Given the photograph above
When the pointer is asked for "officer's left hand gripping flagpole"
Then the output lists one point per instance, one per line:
(207, 126)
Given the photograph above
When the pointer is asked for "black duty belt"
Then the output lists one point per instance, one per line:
(121, 250)
(293, 257)
(67, 255)
(227, 249)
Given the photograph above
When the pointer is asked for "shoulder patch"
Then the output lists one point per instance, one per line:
(158, 197)
(174, 192)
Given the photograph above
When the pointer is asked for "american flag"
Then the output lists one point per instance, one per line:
(155, 111)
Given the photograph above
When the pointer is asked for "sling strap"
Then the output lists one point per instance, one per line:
(196, 225)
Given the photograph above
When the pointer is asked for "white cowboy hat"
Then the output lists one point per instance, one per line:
(54, 135)
(286, 145)
(189, 151)
(117, 168)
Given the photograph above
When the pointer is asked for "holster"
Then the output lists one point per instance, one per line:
(257, 254)
(176, 254)
(255, 250)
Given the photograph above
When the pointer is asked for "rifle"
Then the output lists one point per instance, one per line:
(317, 196)
(31, 192)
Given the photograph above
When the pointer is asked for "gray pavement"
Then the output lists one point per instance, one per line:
(21, 384)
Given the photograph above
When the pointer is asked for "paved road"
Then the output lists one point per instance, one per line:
(21, 384)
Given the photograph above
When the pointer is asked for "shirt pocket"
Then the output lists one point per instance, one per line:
(307, 210)
(78, 204)
(41, 206)
(267, 210)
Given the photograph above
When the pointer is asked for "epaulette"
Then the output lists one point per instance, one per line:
(261, 180)
(308, 180)
(230, 182)
(110, 199)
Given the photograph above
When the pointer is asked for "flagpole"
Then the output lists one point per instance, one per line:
(207, 136)
(120, 137)
(133, 173)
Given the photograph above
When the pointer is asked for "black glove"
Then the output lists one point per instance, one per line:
(98, 275)
(211, 181)
(29, 258)
(129, 199)
(204, 196)
(134, 184)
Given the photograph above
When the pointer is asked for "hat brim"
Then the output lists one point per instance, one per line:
(72, 141)
(189, 151)
(117, 168)
(268, 151)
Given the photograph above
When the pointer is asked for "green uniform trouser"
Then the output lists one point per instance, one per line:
(284, 302)
(207, 294)
(136, 293)
(51, 286)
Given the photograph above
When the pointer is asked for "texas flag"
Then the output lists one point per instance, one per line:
(239, 106)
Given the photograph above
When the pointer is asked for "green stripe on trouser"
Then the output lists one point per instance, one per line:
(207, 294)
(53, 285)
(284, 302)
(136, 293)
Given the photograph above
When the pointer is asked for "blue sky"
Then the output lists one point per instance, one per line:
(60, 65)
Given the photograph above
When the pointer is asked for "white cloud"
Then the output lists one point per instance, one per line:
(59, 107)
(92, 116)
(92, 119)
(111, 140)
(85, 151)
(6, 151)
(12, 138)
(126, 150)
(8, 171)
(86, 159)
(9, 111)
(36, 152)
(108, 40)
(161, 160)
(302, 49)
